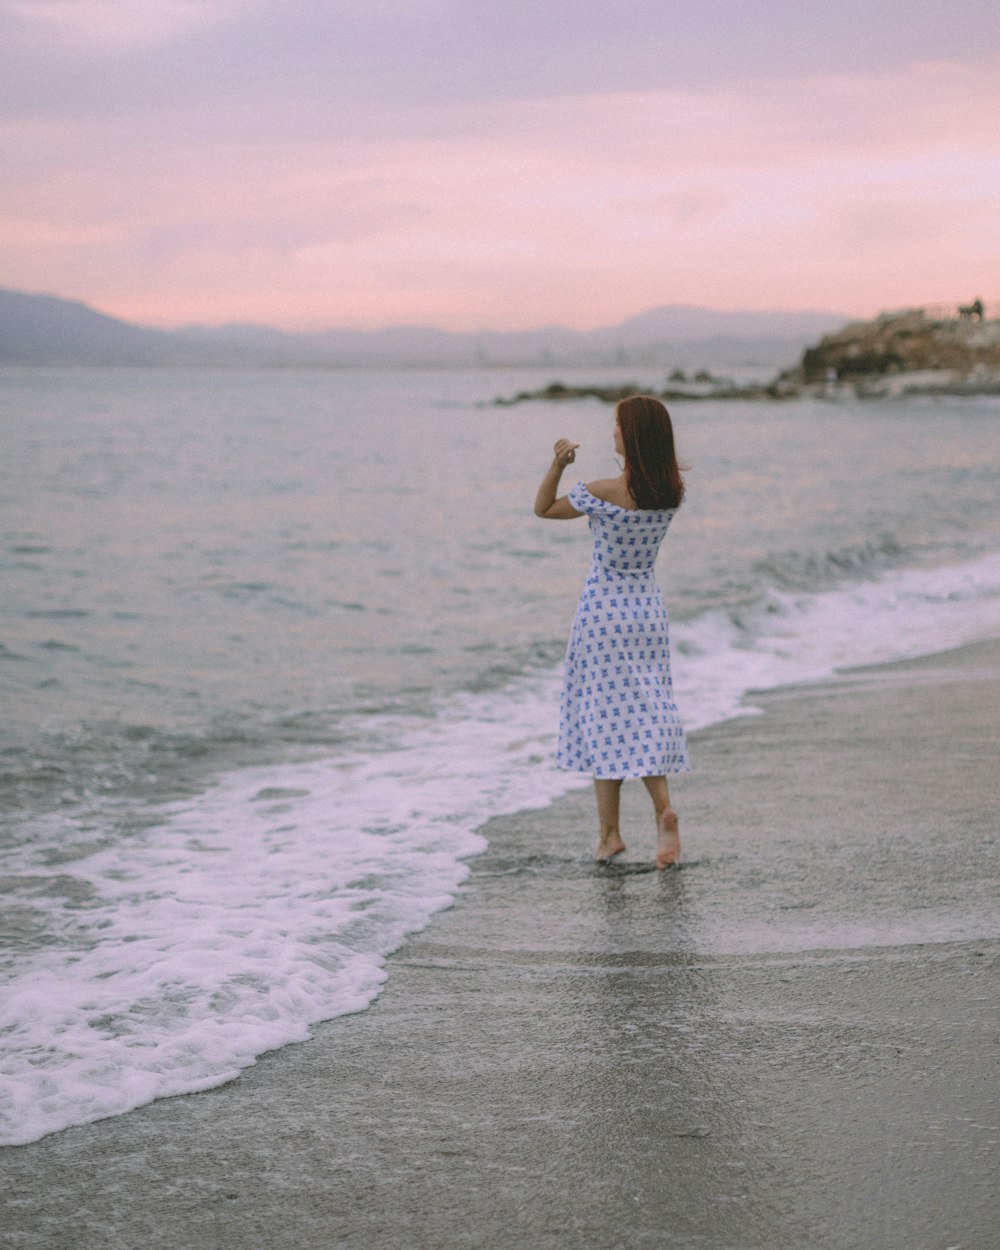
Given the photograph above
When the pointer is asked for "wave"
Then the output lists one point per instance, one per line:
(795, 570)
(172, 958)
(783, 638)
(239, 918)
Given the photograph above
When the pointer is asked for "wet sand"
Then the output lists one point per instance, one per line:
(788, 1044)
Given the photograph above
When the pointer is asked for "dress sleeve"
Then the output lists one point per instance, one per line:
(582, 500)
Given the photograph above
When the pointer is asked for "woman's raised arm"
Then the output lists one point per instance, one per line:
(546, 503)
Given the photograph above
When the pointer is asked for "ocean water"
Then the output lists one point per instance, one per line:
(275, 645)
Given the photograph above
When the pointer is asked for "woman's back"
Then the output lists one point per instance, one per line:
(626, 540)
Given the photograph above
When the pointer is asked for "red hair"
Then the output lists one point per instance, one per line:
(652, 473)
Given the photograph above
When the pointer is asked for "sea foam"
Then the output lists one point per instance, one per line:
(248, 914)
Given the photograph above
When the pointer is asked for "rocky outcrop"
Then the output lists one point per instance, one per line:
(702, 386)
(900, 353)
(905, 351)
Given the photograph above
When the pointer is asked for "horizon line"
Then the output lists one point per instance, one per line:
(426, 325)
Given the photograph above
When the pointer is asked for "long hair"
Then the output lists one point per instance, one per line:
(652, 473)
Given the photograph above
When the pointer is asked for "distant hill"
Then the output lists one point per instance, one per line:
(40, 329)
(46, 330)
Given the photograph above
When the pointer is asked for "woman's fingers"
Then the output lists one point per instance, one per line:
(566, 451)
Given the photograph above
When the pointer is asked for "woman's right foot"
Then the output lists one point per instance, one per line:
(606, 851)
(668, 839)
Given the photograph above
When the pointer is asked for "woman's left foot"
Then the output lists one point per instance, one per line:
(668, 840)
(606, 851)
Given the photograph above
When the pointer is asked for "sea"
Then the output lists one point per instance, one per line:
(276, 644)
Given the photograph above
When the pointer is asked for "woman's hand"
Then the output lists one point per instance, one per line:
(565, 452)
(546, 503)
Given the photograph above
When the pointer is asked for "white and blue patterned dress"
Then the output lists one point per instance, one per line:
(618, 717)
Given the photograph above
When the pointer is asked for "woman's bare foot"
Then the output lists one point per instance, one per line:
(668, 839)
(608, 849)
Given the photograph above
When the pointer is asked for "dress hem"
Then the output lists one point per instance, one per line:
(589, 772)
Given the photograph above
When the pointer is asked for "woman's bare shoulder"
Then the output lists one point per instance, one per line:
(612, 490)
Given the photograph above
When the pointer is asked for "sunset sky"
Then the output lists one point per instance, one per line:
(498, 163)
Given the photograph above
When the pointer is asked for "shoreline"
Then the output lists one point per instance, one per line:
(782, 1044)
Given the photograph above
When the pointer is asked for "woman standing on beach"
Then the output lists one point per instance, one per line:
(618, 718)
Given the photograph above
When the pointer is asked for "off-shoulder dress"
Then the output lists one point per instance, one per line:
(618, 717)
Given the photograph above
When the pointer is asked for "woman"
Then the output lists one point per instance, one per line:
(618, 717)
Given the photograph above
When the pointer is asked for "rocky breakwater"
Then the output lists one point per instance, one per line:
(702, 385)
(904, 353)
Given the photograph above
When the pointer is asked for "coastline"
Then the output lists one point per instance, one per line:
(918, 383)
(911, 352)
(784, 1044)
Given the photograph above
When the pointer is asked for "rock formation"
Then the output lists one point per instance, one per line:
(884, 356)
(911, 352)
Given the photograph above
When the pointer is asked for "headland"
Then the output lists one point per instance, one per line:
(915, 351)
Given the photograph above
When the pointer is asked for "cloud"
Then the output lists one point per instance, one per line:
(356, 54)
(112, 25)
(361, 163)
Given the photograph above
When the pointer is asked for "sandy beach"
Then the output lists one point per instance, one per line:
(790, 1043)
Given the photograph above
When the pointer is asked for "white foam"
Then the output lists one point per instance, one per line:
(270, 902)
(787, 638)
(262, 907)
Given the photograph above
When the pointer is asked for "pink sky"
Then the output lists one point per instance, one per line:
(491, 165)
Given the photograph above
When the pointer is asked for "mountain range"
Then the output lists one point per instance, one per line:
(47, 330)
